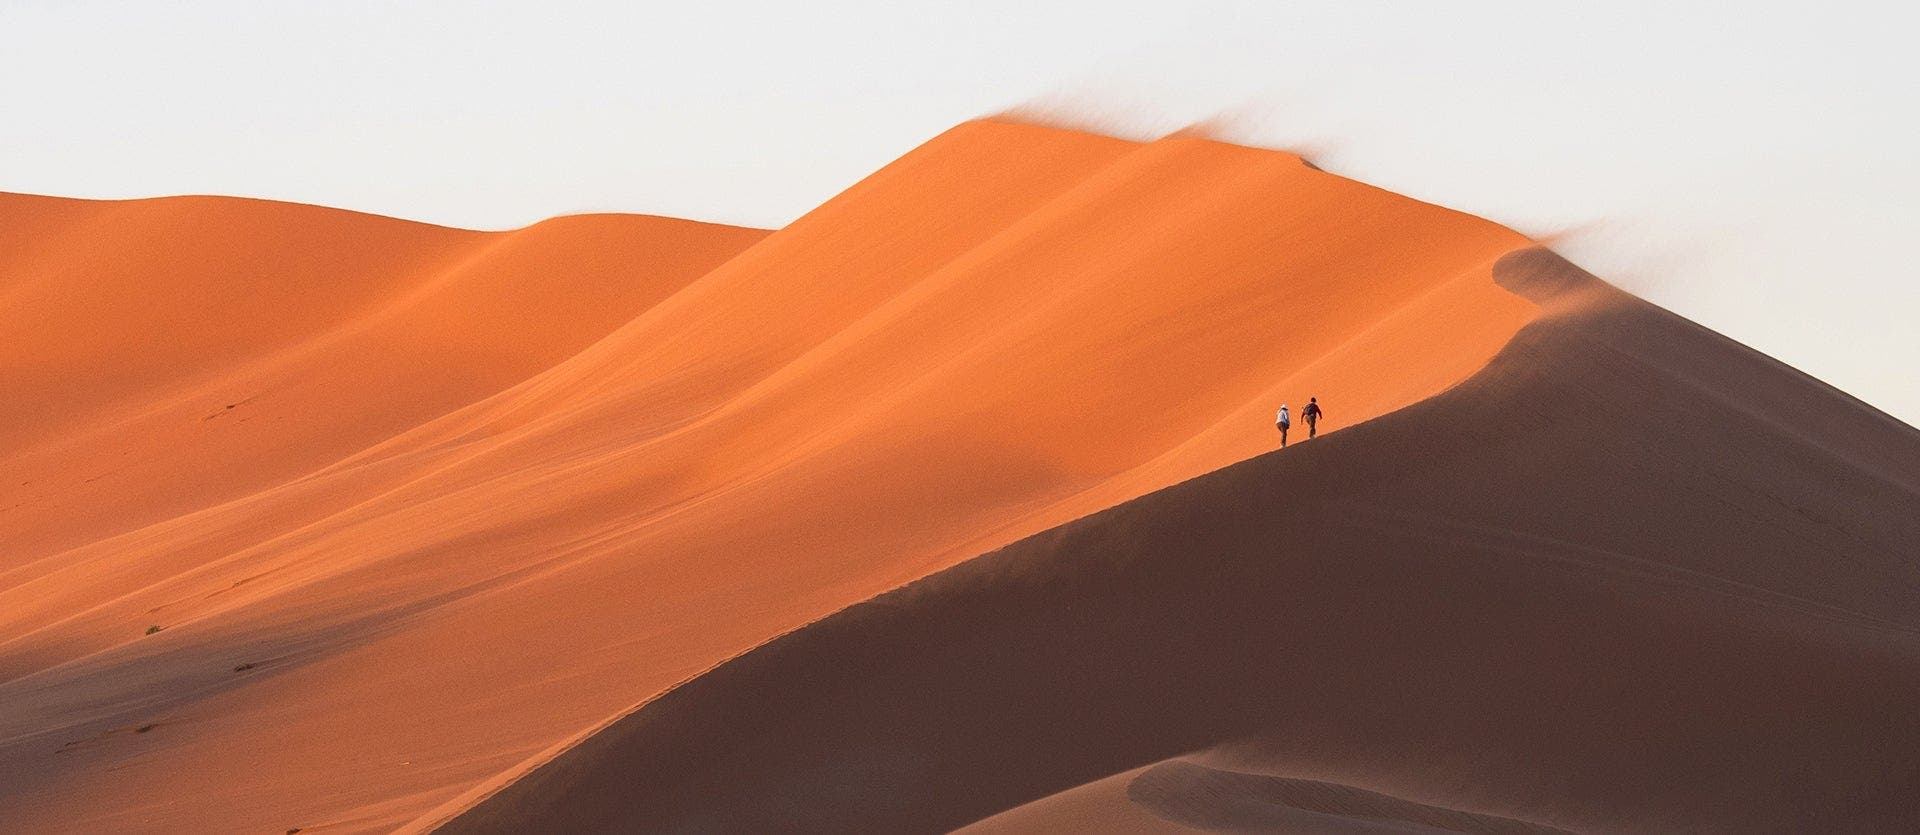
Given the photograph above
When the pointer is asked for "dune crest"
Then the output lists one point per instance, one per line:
(377, 484)
(521, 482)
(1502, 609)
(357, 524)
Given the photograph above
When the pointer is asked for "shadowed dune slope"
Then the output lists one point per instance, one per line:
(478, 531)
(1629, 577)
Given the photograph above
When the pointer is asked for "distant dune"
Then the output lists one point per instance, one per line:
(622, 523)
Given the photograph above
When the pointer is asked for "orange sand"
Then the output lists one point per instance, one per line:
(1614, 582)
(419, 509)
(459, 496)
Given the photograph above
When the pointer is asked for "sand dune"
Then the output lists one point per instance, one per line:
(1629, 577)
(174, 354)
(415, 508)
(319, 520)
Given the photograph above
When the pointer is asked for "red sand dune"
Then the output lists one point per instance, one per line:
(1504, 609)
(433, 518)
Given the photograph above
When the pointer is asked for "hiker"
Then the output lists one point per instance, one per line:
(1312, 414)
(1283, 421)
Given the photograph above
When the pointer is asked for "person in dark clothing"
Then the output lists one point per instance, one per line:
(1312, 415)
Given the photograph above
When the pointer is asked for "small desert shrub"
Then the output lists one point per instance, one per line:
(152, 629)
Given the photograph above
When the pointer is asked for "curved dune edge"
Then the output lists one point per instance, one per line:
(1487, 626)
(1182, 795)
(1554, 288)
(1423, 310)
(1219, 799)
(1008, 329)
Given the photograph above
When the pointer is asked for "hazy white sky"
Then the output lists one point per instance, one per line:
(1752, 166)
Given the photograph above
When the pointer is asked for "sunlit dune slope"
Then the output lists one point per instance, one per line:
(487, 531)
(167, 355)
(1631, 577)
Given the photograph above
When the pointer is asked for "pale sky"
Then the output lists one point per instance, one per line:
(1752, 166)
